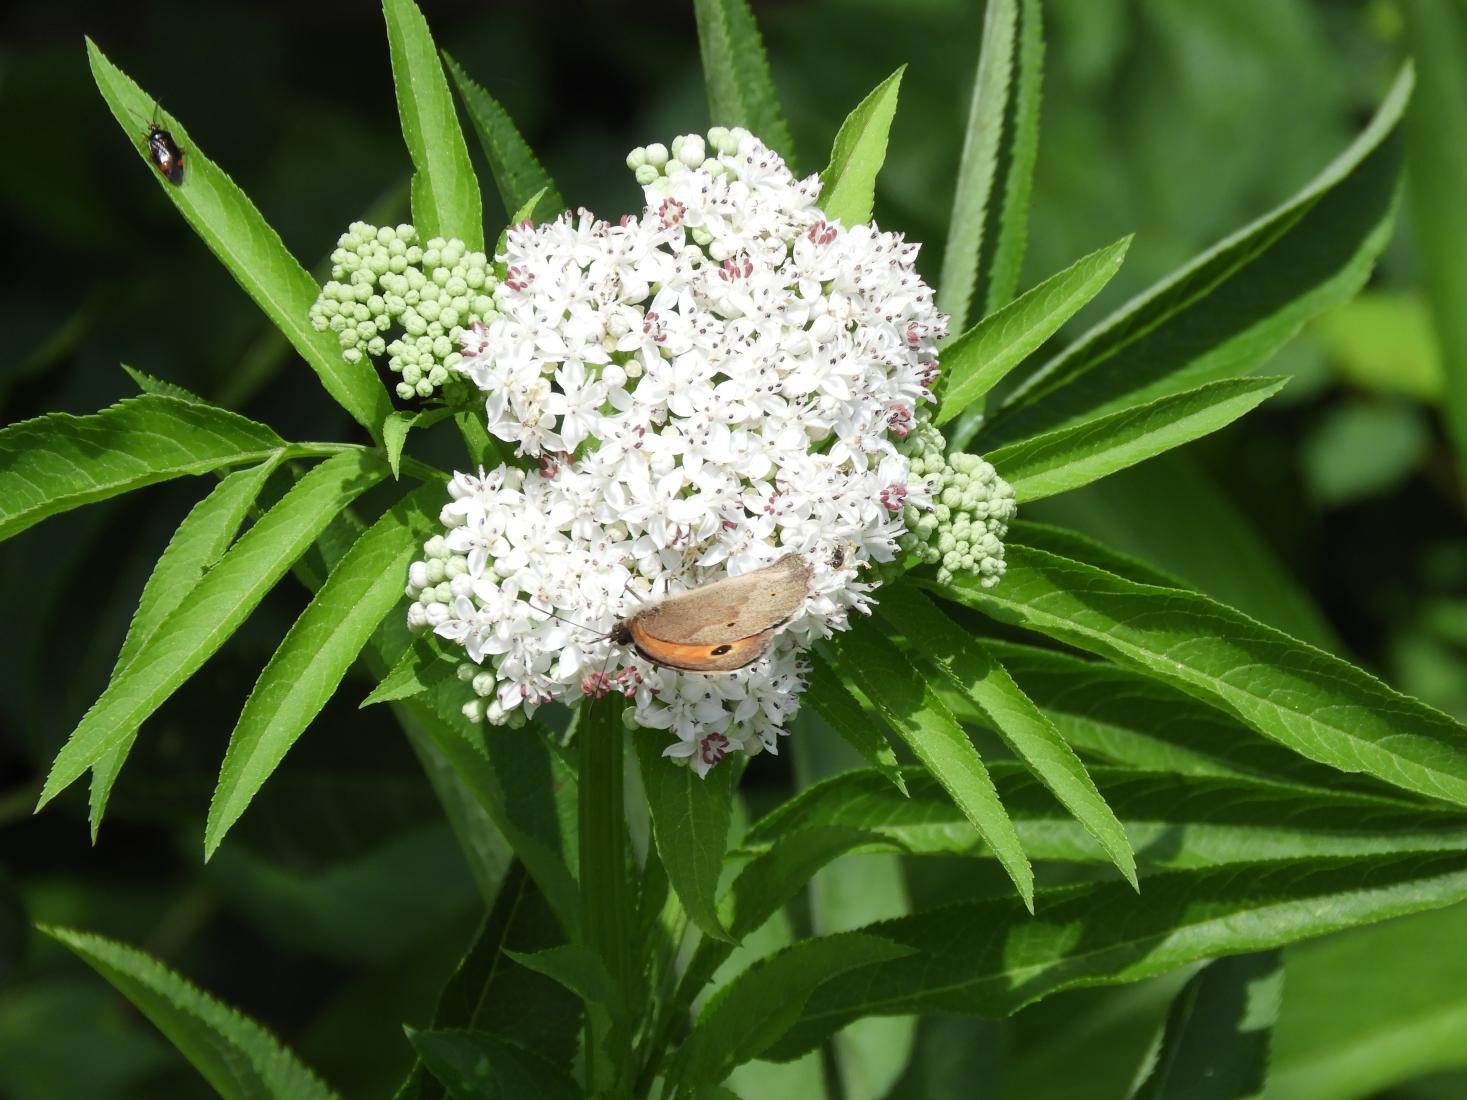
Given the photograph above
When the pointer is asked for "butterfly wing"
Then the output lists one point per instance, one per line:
(723, 657)
(732, 609)
(725, 625)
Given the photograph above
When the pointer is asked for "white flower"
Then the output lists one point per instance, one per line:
(706, 386)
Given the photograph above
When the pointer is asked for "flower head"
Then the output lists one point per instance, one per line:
(695, 391)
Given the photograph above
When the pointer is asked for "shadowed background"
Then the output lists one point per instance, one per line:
(340, 901)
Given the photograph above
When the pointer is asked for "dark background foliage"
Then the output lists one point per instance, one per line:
(336, 908)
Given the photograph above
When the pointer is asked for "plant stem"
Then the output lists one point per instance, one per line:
(605, 898)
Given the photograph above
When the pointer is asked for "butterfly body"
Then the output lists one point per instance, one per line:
(720, 627)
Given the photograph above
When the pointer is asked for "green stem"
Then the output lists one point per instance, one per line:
(605, 897)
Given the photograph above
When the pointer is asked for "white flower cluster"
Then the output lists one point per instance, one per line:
(697, 391)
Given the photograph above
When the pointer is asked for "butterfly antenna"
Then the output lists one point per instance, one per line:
(569, 622)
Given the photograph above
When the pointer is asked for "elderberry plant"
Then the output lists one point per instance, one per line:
(741, 367)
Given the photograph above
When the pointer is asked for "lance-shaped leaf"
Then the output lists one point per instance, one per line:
(1012, 715)
(1232, 307)
(490, 992)
(226, 221)
(222, 600)
(1071, 544)
(766, 883)
(906, 700)
(407, 677)
(991, 957)
(518, 174)
(1436, 161)
(1068, 458)
(1371, 1009)
(753, 1011)
(1123, 716)
(829, 697)
(1156, 510)
(58, 462)
(1215, 1045)
(736, 72)
(848, 184)
(239, 1058)
(981, 357)
(1009, 219)
(514, 778)
(445, 190)
(1302, 697)
(200, 541)
(1171, 821)
(690, 821)
(474, 1065)
(316, 653)
(978, 168)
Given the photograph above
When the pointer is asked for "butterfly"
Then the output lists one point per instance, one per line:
(719, 627)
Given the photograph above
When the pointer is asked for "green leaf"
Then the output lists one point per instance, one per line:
(518, 175)
(1156, 509)
(1072, 544)
(513, 776)
(407, 677)
(1215, 1046)
(1173, 822)
(539, 207)
(1020, 151)
(474, 1065)
(220, 602)
(1316, 704)
(395, 432)
(1126, 717)
(1027, 732)
(753, 1011)
(1227, 311)
(445, 190)
(962, 260)
(991, 957)
(146, 383)
(981, 357)
(848, 184)
(490, 992)
(829, 697)
(690, 821)
(239, 1059)
(578, 969)
(226, 221)
(1371, 1009)
(1436, 160)
(1068, 458)
(315, 654)
(908, 703)
(764, 886)
(200, 541)
(58, 462)
(772, 878)
(736, 71)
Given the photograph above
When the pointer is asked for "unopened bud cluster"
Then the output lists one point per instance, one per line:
(690, 151)
(435, 582)
(391, 295)
(483, 705)
(963, 528)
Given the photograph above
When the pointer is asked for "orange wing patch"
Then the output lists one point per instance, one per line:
(724, 657)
